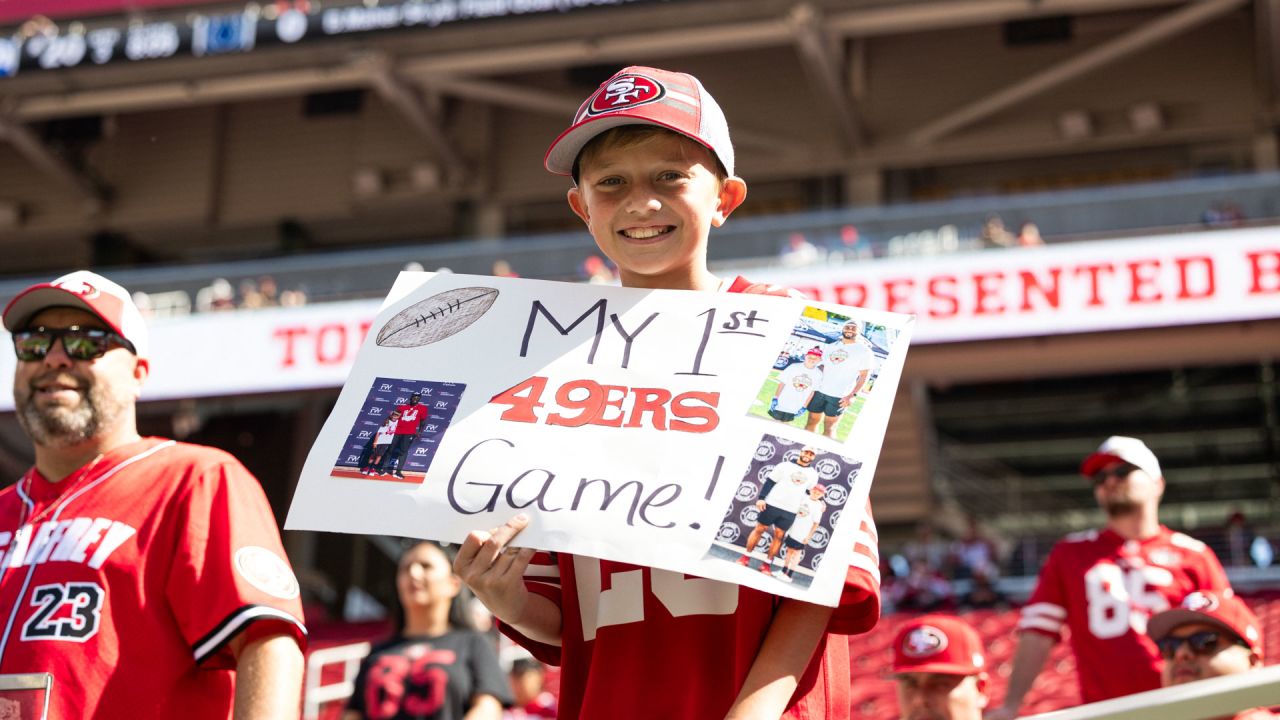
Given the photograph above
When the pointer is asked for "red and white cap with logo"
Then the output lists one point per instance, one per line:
(1229, 613)
(86, 291)
(1125, 449)
(938, 644)
(645, 96)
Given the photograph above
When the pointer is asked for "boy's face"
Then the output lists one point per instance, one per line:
(650, 206)
(811, 361)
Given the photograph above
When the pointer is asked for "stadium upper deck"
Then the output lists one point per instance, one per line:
(242, 129)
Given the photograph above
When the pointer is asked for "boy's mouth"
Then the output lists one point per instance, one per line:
(646, 233)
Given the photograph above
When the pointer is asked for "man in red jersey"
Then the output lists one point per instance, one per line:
(652, 164)
(939, 669)
(405, 432)
(1105, 584)
(145, 576)
(1209, 636)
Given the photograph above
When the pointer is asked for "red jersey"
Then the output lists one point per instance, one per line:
(127, 580)
(1104, 588)
(411, 416)
(643, 643)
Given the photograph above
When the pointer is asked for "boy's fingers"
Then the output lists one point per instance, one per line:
(498, 539)
(467, 553)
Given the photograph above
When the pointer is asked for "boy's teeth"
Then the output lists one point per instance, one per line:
(643, 233)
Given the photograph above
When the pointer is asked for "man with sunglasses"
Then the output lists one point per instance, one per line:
(145, 576)
(1209, 635)
(1105, 584)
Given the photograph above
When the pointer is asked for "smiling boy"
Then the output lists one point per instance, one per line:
(653, 169)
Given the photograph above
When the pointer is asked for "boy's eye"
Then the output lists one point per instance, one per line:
(671, 175)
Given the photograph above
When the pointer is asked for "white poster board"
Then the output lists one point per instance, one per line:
(630, 425)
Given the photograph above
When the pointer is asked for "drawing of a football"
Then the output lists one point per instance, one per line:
(440, 316)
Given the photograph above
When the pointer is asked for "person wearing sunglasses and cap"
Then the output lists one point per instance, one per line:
(145, 576)
(1105, 584)
(1209, 635)
(939, 669)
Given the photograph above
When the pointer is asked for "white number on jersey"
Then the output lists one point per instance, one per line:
(65, 611)
(623, 602)
(1123, 599)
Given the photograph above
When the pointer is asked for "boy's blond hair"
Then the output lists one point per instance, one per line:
(628, 136)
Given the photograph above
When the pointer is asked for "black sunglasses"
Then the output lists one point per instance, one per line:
(1119, 472)
(1204, 642)
(79, 343)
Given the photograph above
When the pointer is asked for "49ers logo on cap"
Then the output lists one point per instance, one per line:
(924, 641)
(79, 287)
(625, 91)
(1200, 602)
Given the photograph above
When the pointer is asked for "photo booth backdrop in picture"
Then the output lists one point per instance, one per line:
(439, 400)
(835, 472)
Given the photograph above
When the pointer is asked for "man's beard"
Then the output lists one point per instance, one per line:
(1119, 508)
(63, 426)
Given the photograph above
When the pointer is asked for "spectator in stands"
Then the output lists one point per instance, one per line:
(250, 297)
(597, 271)
(269, 290)
(1029, 235)
(434, 643)
(975, 552)
(994, 233)
(798, 251)
(924, 589)
(927, 546)
(1238, 536)
(1223, 215)
(1105, 584)
(528, 685)
(983, 594)
(940, 670)
(502, 268)
(1209, 636)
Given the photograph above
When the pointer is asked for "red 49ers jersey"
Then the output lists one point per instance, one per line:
(1104, 588)
(127, 580)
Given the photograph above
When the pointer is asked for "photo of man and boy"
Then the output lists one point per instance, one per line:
(398, 430)
(785, 510)
(823, 373)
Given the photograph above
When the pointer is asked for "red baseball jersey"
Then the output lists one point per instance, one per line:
(643, 643)
(128, 579)
(1104, 588)
(411, 416)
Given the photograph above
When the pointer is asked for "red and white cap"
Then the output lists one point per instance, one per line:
(1225, 611)
(645, 96)
(938, 644)
(1125, 449)
(87, 291)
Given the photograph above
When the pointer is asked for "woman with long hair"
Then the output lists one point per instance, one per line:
(436, 666)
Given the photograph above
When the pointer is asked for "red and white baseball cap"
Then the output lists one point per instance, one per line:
(87, 291)
(1225, 611)
(645, 96)
(938, 644)
(1124, 449)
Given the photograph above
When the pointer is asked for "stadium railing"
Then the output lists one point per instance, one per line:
(1200, 700)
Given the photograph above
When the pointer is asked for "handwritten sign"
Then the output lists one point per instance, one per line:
(714, 434)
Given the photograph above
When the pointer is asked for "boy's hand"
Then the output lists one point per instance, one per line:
(495, 572)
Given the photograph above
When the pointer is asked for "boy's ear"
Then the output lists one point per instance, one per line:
(733, 191)
(578, 205)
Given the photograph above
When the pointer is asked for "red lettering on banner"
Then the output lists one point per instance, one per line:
(289, 334)
(1140, 280)
(1049, 292)
(950, 302)
(691, 412)
(983, 293)
(680, 408)
(1095, 296)
(338, 354)
(893, 301)
(1264, 270)
(1184, 283)
(852, 294)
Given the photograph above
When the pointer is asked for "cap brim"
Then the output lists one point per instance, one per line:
(939, 668)
(1161, 624)
(1096, 462)
(565, 148)
(31, 301)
